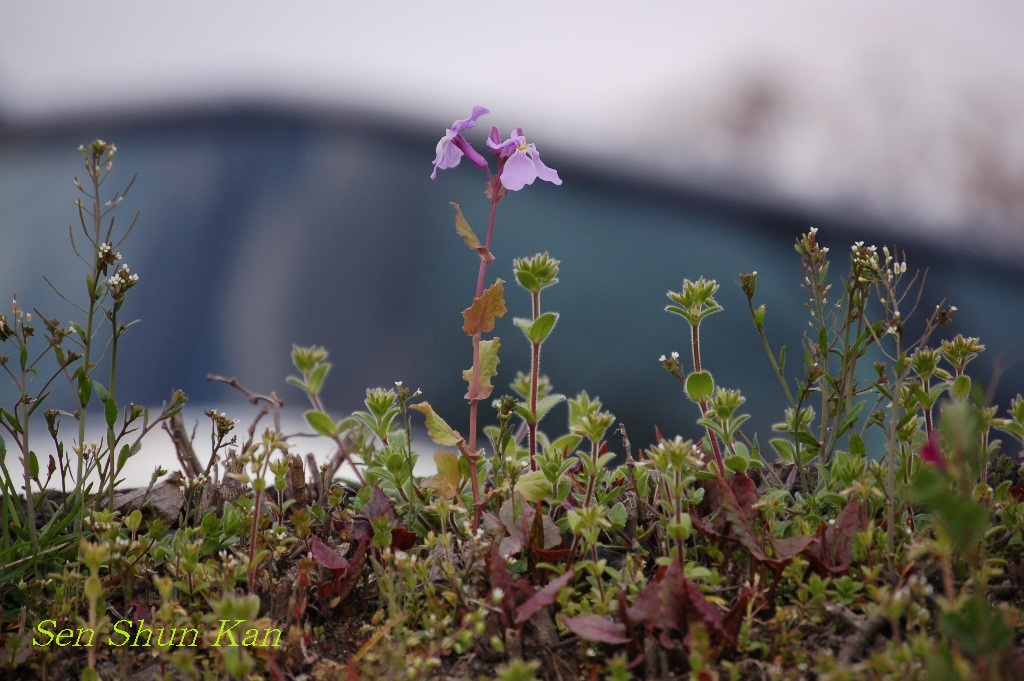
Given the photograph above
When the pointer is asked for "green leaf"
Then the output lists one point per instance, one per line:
(857, 445)
(464, 230)
(344, 423)
(534, 486)
(782, 358)
(527, 280)
(320, 422)
(101, 392)
(736, 463)
(298, 383)
(123, 456)
(84, 387)
(38, 402)
(446, 482)
(961, 387)
(700, 385)
(316, 378)
(14, 423)
(481, 390)
(439, 431)
(33, 465)
(134, 520)
(566, 443)
(784, 448)
(110, 411)
(480, 316)
(851, 417)
(617, 515)
(544, 405)
(542, 327)
(547, 403)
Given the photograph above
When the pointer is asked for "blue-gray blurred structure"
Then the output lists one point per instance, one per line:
(265, 227)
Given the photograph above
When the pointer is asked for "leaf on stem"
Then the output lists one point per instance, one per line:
(480, 316)
(537, 330)
(446, 483)
(542, 598)
(534, 486)
(489, 361)
(439, 431)
(467, 234)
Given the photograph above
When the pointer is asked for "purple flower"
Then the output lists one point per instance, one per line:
(522, 161)
(453, 145)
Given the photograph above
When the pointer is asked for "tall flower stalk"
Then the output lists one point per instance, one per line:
(519, 165)
(99, 162)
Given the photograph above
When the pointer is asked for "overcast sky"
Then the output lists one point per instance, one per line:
(910, 109)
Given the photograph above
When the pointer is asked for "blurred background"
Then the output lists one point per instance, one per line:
(283, 160)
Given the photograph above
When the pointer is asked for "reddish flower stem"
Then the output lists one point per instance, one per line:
(473, 403)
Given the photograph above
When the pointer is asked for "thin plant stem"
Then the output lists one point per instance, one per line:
(695, 342)
(534, 378)
(111, 439)
(25, 409)
(86, 369)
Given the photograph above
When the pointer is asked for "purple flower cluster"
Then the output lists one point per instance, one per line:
(519, 161)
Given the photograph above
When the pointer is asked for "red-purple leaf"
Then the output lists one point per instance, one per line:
(542, 598)
(672, 598)
(738, 514)
(510, 546)
(737, 614)
(839, 538)
(707, 612)
(403, 539)
(597, 629)
(644, 610)
(327, 557)
(788, 548)
(746, 492)
(499, 577)
(355, 570)
(379, 505)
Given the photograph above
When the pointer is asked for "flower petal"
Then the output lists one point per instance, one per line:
(447, 154)
(518, 172)
(466, 123)
(543, 172)
(470, 152)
